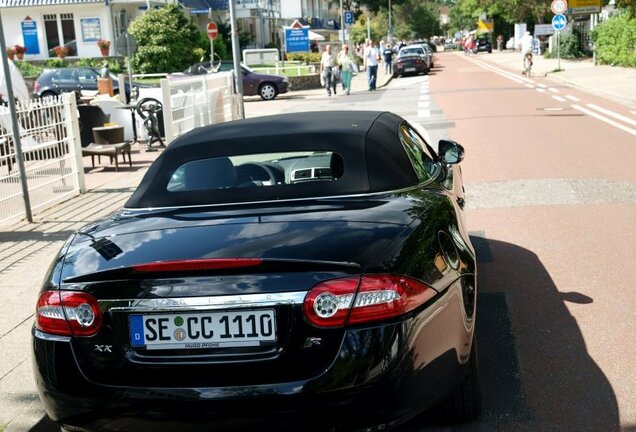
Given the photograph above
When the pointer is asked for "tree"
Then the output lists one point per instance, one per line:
(629, 5)
(166, 41)
(378, 27)
(424, 21)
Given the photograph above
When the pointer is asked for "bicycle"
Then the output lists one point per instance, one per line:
(527, 65)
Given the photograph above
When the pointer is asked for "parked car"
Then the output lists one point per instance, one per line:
(431, 57)
(254, 84)
(412, 59)
(266, 270)
(483, 45)
(450, 46)
(54, 82)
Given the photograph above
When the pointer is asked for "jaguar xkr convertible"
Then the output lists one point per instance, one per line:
(306, 271)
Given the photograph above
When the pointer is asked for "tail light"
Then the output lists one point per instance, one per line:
(68, 313)
(337, 302)
(419, 61)
(37, 87)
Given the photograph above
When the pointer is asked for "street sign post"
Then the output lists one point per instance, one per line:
(348, 17)
(559, 6)
(126, 46)
(213, 32)
(559, 22)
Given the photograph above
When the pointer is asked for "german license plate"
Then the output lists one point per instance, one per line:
(198, 330)
(409, 70)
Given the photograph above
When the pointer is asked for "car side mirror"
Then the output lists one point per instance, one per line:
(450, 152)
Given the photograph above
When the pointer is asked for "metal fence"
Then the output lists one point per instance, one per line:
(194, 101)
(49, 135)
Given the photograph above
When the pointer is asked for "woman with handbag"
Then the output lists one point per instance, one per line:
(345, 61)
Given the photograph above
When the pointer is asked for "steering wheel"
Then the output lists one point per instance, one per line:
(252, 169)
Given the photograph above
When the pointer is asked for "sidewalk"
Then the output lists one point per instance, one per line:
(25, 255)
(616, 83)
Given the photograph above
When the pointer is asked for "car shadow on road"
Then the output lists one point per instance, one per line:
(535, 371)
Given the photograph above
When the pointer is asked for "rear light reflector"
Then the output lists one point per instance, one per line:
(198, 264)
(335, 303)
(68, 313)
(37, 86)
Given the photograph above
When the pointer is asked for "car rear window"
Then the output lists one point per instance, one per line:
(411, 51)
(259, 170)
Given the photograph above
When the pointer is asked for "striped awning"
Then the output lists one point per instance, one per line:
(32, 3)
(206, 4)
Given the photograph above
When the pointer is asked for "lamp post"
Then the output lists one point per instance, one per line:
(15, 126)
(236, 56)
(389, 31)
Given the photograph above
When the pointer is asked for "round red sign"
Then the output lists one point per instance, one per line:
(213, 30)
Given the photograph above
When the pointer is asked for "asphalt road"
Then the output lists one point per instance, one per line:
(551, 205)
(551, 197)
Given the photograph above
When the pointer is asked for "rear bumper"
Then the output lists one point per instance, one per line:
(383, 375)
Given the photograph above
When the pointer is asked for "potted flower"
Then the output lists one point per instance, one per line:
(61, 51)
(104, 46)
(19, 51)
(10, 53)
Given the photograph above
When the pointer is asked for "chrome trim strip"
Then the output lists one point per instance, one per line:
(168, 304)
(50, 337)
(333, 197)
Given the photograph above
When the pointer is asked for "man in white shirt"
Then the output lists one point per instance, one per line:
(327, 69)
(371, 56)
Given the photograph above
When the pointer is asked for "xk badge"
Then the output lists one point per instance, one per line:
(312, 342)
(104, 348)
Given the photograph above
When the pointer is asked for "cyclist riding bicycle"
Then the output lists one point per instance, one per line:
(526, 42)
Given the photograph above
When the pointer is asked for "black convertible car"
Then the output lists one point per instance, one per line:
(308, 271)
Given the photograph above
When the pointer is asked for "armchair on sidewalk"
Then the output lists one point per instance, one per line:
(90, 117)
(109, 141)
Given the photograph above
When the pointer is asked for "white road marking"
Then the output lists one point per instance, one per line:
(634, 112)
(424, 104)
(613, 114)
(500, 72)
(559, 98)
(423, 113)
(573, 98)
(540, 90)
(605, 119)
(553, 90)
(542, 85)
(553, 109)
(530, 86)
(425, 97)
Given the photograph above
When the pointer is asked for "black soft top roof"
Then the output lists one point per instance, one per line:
(373, 156)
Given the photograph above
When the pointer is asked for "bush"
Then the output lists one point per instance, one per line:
(28, 70)
(615, 41)
(166, 40)
(56, 63)
(88, 62)
(306, 57)
(570, 46)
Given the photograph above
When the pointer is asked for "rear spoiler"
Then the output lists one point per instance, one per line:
(213, 267)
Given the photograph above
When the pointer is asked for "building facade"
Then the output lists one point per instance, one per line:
(42, 25)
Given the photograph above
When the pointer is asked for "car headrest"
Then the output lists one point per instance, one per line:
(217, 173)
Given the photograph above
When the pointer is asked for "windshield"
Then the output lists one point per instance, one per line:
(411, 52)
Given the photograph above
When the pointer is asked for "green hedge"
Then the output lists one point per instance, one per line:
(307, 57)
(615, 41)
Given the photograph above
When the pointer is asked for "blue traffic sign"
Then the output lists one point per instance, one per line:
(348, 17)
(559, 22)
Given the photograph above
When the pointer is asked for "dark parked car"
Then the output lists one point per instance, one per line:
(254, 84)
(54, 82)
(484, 45)
(307, 270)
(412, 59)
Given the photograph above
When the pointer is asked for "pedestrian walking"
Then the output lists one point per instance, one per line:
(387, 55)
(500, 41)
(345, 64)
(327, 66)
(371, 58)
